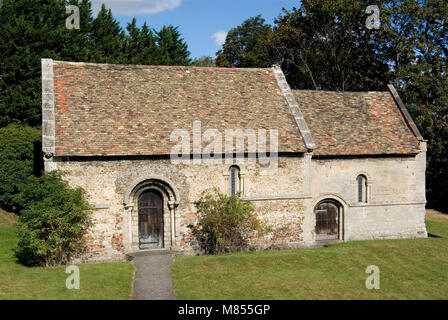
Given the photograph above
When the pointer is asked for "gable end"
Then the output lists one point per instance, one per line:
(405, 112)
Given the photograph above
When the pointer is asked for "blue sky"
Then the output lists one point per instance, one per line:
(203, 23)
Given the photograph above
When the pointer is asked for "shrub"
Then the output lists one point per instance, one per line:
(51, 227)
(18, 147)
(224, 222)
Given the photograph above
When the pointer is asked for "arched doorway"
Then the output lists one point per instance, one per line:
(328, 217)
(150, 220)
(169, 194)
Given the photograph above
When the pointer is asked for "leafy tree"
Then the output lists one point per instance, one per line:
(416, 46)
(204, 61)
(148, 54)
(21, 32)
(325, 45)
(52, 226)
(246, 45)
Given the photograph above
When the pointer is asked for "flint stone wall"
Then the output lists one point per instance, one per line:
(284, 199)
(278, 200)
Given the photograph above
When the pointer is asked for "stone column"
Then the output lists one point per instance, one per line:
(171, 206)
(127, 230)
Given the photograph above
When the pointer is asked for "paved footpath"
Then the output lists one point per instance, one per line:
(153, 277)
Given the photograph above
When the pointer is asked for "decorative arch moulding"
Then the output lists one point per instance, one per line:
(140, 182)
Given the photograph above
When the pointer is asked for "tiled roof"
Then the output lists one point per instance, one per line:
(356, 123)
(125, 110)
(113, 110)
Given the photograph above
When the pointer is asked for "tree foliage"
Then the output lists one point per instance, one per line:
(246, 45)
(32, 30)
(416, 47)
(20, 151)
(325, 45)
(171, 48)
(205, 61)
(29, 31)
(107, 38)
(140, 45)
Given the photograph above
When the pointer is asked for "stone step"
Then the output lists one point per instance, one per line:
(144, 253)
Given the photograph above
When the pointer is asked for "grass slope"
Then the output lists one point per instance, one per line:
(97, 281)
(409, 269)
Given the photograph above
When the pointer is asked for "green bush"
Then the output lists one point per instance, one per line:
(18, 145)
(224, 222)
(52, 226)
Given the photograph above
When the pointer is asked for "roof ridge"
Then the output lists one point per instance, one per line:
(336, 91)
(139, 66)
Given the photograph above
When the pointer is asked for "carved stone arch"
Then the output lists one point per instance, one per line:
(332, 196)
(362, 173)
(151, 180)
(171, 199)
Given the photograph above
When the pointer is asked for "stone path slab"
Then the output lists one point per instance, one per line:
(153, 276)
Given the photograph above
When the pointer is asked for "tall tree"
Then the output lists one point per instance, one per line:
(32, 30)
(29, 31)
(325, 44)
(246, 45)
(172, 49)
(416, 47)
(140, 45)
(107, 37)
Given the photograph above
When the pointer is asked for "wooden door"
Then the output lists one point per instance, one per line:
(150, 220)
(327, 220)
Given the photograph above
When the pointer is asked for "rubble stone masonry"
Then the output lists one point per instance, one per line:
(284, 198)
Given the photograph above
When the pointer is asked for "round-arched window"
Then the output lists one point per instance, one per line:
(362, 188)
(234, 180)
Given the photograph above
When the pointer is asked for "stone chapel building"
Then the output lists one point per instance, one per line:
(351, 165)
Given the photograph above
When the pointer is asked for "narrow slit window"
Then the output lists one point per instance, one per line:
(234, 180)
(362, 188)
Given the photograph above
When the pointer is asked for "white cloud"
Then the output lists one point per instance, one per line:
(220, 37)
(135, 7)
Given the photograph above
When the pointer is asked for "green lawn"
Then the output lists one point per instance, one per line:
(409, 269)
(97, 281)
